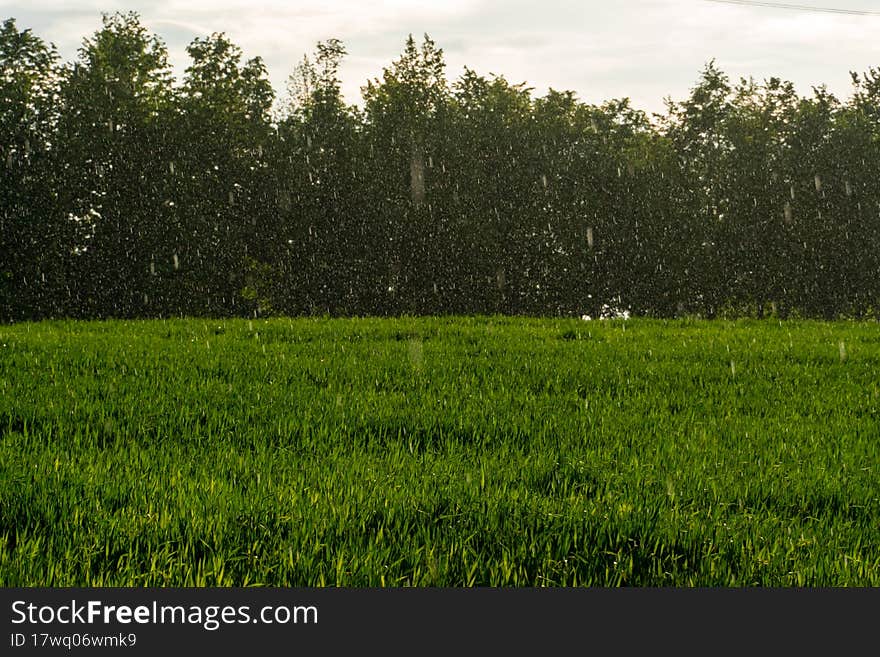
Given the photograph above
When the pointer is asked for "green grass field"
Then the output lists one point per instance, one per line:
(439, 452)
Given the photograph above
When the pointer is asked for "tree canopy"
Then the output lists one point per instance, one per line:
(127, 193)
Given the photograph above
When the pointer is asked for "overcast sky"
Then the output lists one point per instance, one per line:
(643, 49)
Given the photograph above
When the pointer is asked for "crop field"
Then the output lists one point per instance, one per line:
(440, 452)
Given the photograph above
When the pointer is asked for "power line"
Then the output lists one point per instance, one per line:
(791, 7)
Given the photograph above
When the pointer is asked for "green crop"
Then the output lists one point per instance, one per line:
(439, 452)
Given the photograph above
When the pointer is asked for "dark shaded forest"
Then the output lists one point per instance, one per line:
(126, 193)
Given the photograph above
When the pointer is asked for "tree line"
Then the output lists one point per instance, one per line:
(127, 193)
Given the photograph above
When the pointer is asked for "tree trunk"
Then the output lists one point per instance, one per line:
(417, 173)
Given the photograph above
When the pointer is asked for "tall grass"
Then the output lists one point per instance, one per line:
(439, 452)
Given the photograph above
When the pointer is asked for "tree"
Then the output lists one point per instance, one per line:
(110, 141)
(33, 242)
(488, 178)
(221, 188)
(125, 195)
(856, 150)
(404, 113)
(325, 258)
(756, 188)
(696, 128)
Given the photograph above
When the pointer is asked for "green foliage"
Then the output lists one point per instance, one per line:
(258, 285)
(32, 242)
(129, 195)
(441, 452)
(111, 133)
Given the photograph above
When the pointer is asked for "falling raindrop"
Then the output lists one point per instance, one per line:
(792, 192)
(176, 262)
(590, 236)
(848, 188)
(789, 215)
(818, 181)
(430, 162)
(841, 348)
(171, 167)
(544, 180)
(152, 266)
